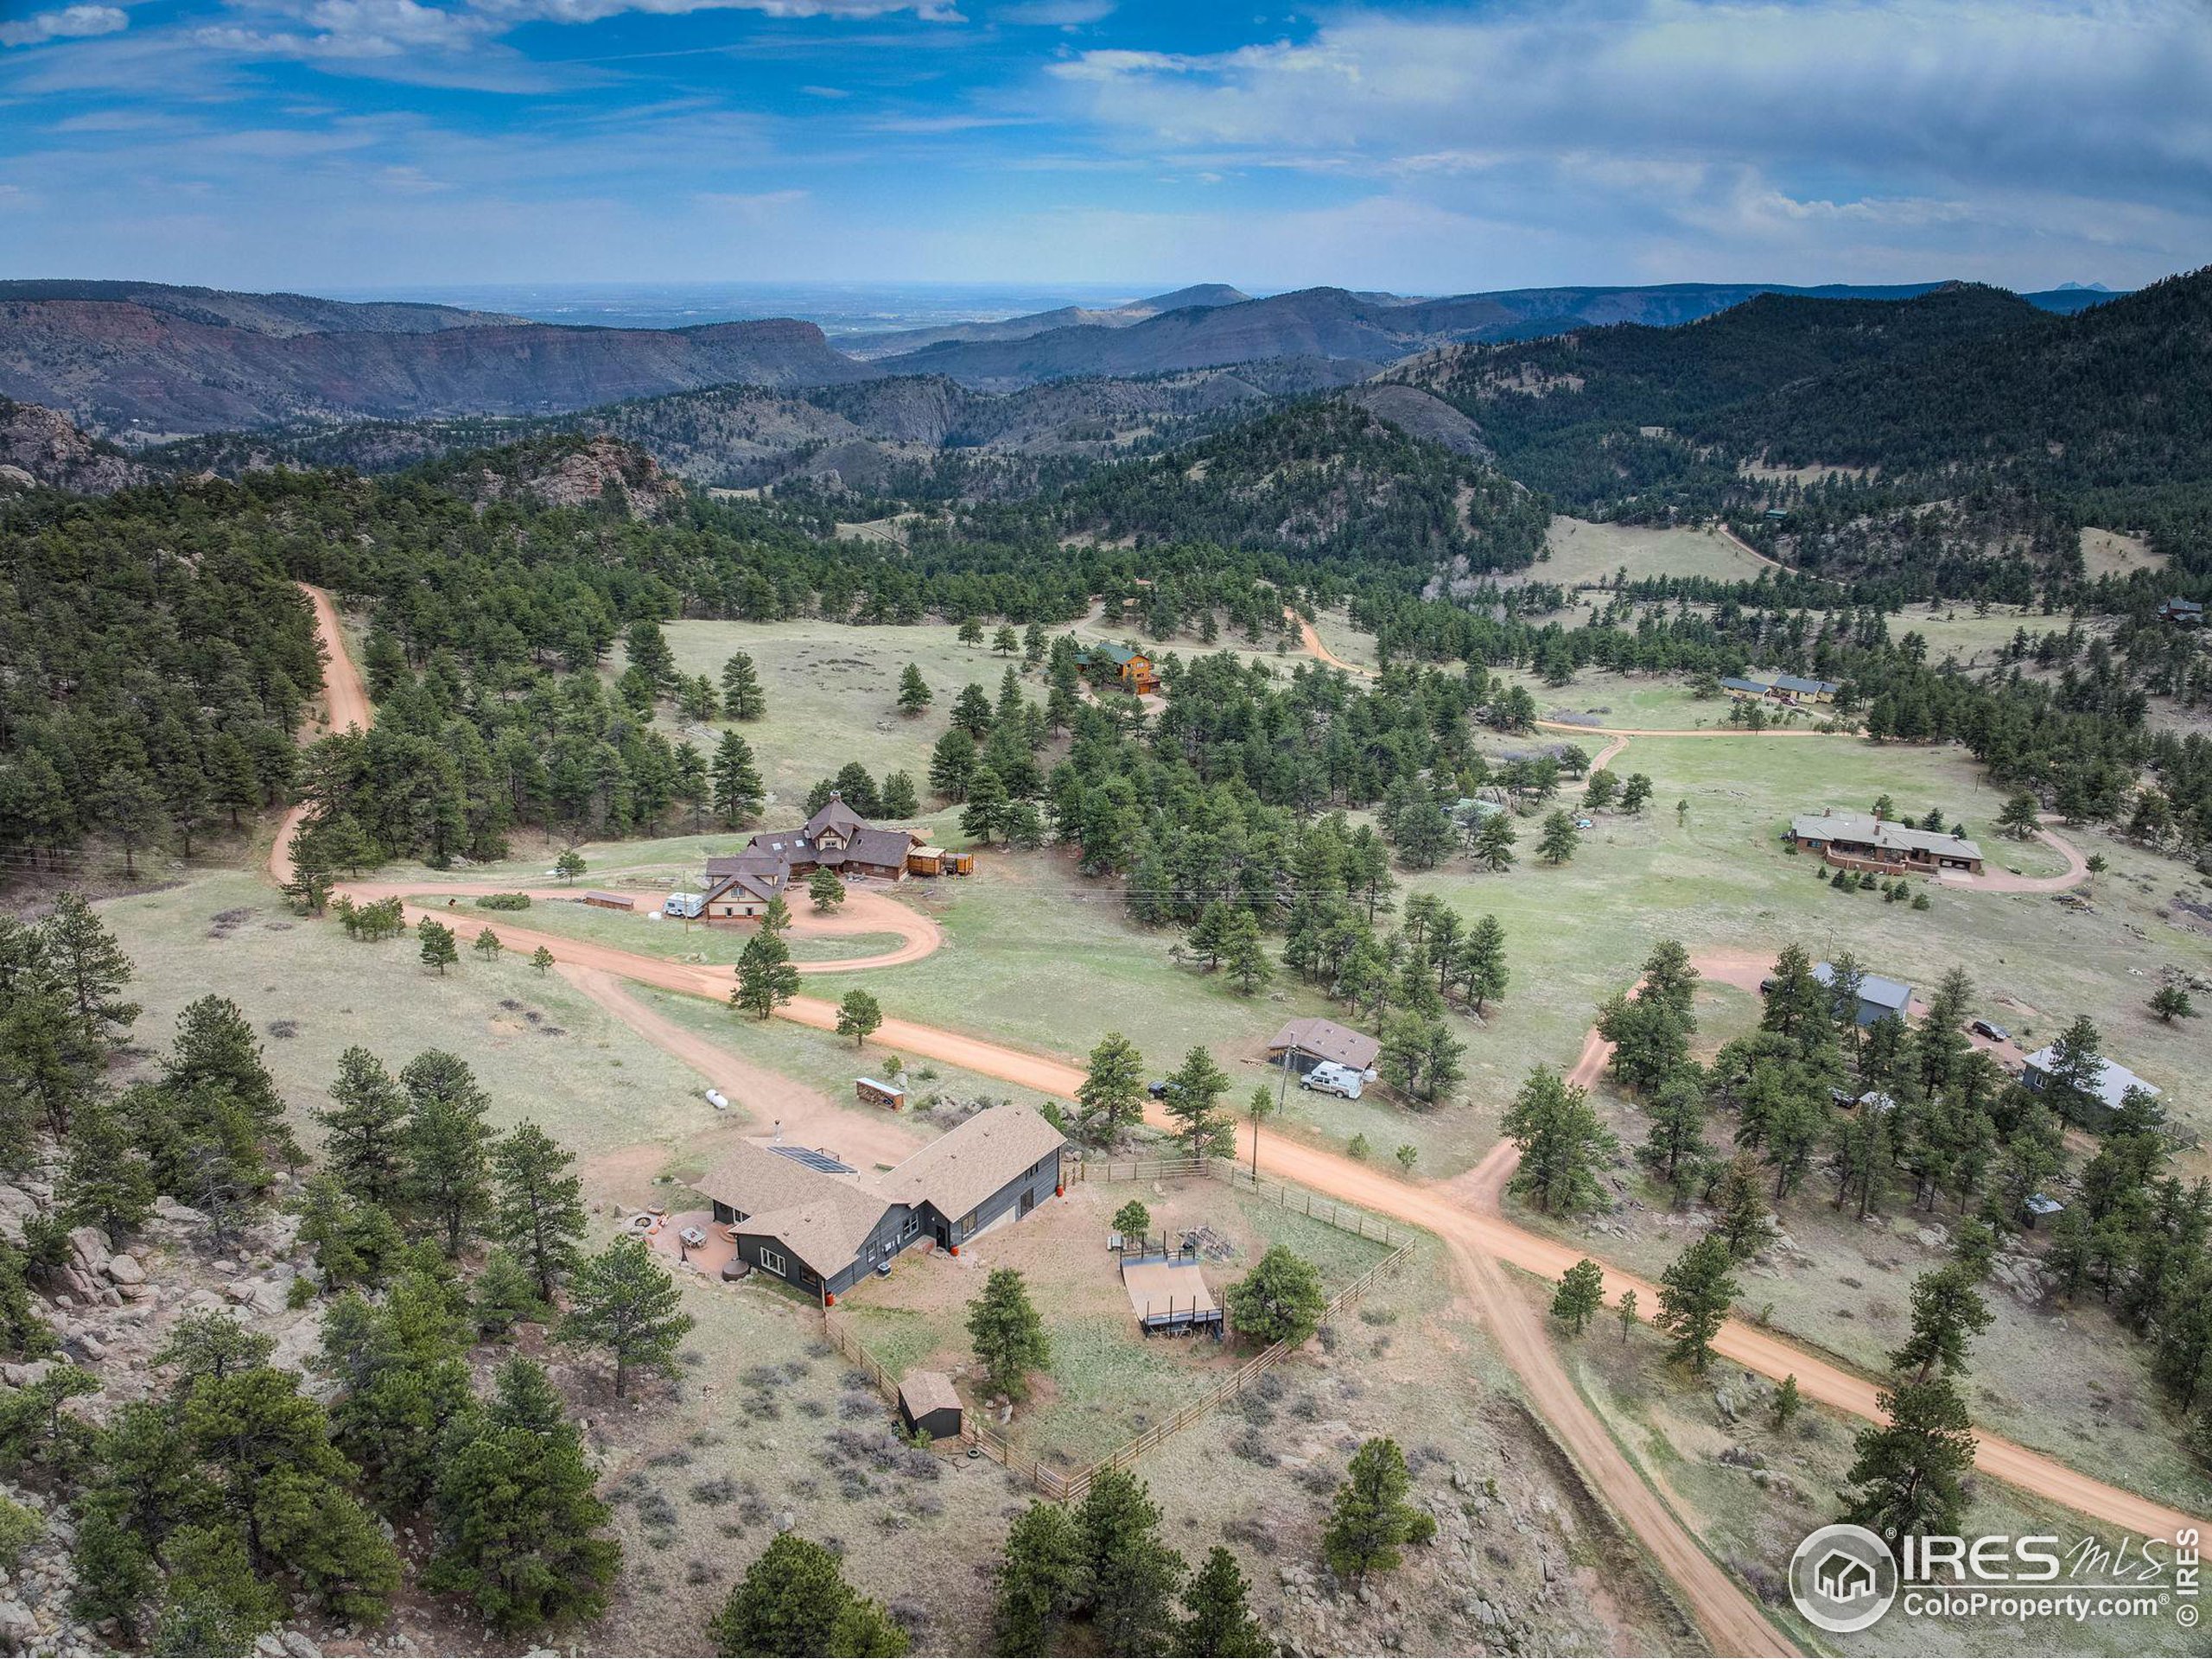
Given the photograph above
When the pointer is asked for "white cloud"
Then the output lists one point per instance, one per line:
(71, 22)
(1055, 14)
(1738, 126)
(757, 204)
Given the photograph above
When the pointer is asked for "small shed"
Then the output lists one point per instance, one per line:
(874, 1093)
(610, 900)
(925, 861)
(928, 1403)
(960, 863)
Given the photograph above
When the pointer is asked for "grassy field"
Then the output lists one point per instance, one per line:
(1720, 878)
(1106, 1380)
(1577, 550)
(2109, 552)
(540, 1048)
(832, 693)
(1636, 701)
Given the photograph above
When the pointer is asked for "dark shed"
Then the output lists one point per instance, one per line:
(928, 1403)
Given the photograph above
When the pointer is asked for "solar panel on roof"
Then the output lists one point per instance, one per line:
(821, 1161)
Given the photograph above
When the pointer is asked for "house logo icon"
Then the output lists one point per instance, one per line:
(1842, 1579)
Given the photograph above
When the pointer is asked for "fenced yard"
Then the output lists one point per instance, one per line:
(1110, 1394)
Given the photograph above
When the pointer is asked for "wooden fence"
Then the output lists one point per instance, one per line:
(1068, 1486)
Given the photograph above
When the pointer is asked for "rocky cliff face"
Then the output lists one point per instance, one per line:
(578, 475)
(38, 445)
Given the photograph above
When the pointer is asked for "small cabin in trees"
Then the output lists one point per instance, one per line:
(1310, 1042)
(1130, 667)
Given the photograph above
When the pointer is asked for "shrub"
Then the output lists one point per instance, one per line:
(504, 901)
(20, 1528)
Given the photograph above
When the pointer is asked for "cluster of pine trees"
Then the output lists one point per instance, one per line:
(157, 662)
(1892, 1113)
(230, 1497)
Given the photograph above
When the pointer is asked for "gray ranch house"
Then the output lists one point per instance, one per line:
(801, 1216)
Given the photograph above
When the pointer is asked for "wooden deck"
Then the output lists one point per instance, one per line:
(1166, 1295)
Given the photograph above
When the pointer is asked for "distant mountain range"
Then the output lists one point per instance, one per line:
(892, 342)
(140, 361)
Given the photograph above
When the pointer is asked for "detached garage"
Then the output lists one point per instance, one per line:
(929, 1404)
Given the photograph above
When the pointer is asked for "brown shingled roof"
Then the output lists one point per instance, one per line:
(1329, 1040)
(958, 1170)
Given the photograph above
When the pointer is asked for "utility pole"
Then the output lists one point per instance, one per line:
(1282, 1093)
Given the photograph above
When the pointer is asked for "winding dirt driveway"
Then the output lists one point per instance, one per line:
(2076, 871)
(345, 707)
(1466, 1214)
(865, 910)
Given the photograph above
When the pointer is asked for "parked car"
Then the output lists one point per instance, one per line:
(1996, 1033)
(1329, 1078)
(1157, 1091)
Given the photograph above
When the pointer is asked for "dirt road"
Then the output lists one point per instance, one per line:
(1321, 652)
(345, 708)
(865, 910)
(1745, 547)
(2076, 871)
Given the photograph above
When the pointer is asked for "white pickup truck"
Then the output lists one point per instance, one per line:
(1329, 1078)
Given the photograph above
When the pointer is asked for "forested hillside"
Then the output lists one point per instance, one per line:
(1569, 415)
(2111, 410)
(1324, 478)
(154, 660)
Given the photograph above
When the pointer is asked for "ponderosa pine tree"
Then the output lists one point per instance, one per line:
(1112, 1094)
(538, 1205)
(1041, 1582)
(858, 1015)
(1280, 1301)
(766, 978)
(914, 693)
(794, 1601)
(1008, 1336)
(1563, 1143)
(1219, 1624)
(1133, 1574)
(622, 1303)
(520, 1531)
(1695, 1294)
(365, 1130)
(1580, 1295)
(738, 790)
(1193, 1100)
(742, 697)
(448, 1182)
(1911, 1472)
(1370, 1521)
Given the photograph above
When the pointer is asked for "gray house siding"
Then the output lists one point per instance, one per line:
(1036, 1185)
(899, 1226)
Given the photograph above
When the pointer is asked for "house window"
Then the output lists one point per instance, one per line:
(771, 1262)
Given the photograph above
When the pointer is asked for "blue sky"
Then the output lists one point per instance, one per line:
(1423, 148)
